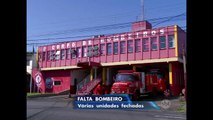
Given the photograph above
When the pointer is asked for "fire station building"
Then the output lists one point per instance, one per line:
(67, 66)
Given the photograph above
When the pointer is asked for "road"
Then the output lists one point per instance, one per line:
(60, 108)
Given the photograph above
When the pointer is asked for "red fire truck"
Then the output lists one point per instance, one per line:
(137, 83)
(128, 82)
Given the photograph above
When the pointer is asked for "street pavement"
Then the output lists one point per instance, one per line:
(60, 108)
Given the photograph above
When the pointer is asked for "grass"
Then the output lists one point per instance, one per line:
(39, 94)
(33, 94)
(182, 107)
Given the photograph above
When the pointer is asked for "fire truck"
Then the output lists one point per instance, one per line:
(135, 83)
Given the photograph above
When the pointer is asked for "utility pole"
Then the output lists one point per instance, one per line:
(33, 62)
(31, 68)
(184, 70)
(142, 10)
(31, 78)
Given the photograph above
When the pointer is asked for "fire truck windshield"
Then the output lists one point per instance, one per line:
(125, 77)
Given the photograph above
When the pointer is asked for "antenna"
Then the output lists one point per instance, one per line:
(142, 10)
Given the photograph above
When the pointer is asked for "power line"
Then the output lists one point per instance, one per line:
(105, 27)
(169, 19)
(183, 27)
(82, 37)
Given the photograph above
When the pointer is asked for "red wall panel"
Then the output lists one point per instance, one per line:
(163, 53)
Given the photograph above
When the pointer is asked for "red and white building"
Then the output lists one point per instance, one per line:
(63, 66)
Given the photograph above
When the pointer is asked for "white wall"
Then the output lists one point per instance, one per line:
(29, 67)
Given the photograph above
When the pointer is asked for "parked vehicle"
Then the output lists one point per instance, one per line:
(137, 83)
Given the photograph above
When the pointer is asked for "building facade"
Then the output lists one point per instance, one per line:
(63, 66)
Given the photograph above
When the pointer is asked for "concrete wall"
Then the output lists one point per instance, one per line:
(79, 75)
(29, 67)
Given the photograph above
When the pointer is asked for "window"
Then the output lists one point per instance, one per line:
(57, 82)
(43, 56)
(145, 44)
(52, 55)
(40, 56)
(48, 55)
(90, 51)
(171, 41)
(84, 51)
(102, 49)
(57, 55)
(79, 52)
(73, 53)
(115, 48)
(137, 45)
(90, 48)
(130, 46)
(95, 50)
(125, 77)
(109, 48)
(68, 53)
(62, 54)
(122, 47)
(49, 83)
(162, 42)
(153, 43)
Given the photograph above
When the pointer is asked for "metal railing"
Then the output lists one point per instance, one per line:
(86, 85)
(92, 84)
(81, 84)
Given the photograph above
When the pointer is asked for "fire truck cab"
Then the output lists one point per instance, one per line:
(128, 82)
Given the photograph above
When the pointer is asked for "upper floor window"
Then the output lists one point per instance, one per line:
(79, 52)
(154, 43)
(130, 46)
(162, 40)
(57, 55)
(90, 51)
(84, 51)
(62, 54)
(68, 53)
(145, 42)
(95, 50)
(90, 48)
(102, 49)
(43, 56)
(73, 53)
(122, 47)
(48, 55)
(115, 48)
(40, 56)
(171, 41)
(137, 45)
(52, 55)
(109, 48)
